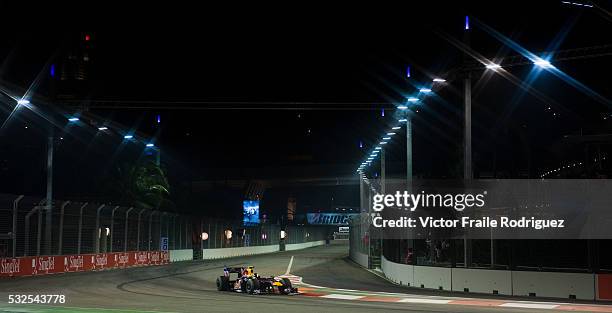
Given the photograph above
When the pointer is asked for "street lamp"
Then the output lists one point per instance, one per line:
(493, 66)
(23, 101)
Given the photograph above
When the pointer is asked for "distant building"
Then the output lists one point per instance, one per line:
(71, 72)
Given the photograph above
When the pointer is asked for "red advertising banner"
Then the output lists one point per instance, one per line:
(604, 286)
(43, 265)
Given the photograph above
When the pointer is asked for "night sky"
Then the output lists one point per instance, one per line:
(353, 60)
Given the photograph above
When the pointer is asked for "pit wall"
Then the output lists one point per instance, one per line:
(222, 253)
(514, 283)
(299, 246)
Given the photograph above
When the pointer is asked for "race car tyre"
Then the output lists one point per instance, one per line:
(252, 285)
(243, 286)
(286, 286)
(222, 283)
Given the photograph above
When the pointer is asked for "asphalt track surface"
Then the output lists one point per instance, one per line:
(190, 287)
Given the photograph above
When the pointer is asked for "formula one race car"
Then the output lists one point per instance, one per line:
(248, 281)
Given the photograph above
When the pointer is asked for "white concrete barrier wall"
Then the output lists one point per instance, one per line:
(299, 246)
(222, 253)
(433, 277)
(181, 255)
(402, 274)
(518, 283)
(359, 258)
(554, 285)
(482, 281)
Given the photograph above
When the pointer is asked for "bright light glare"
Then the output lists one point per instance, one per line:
(425, 90)
(386, 138)
(403, 120)
(390, 134)
(377, 148)
(439, 80)
(23, 101)
(413, 99)
(73, 119)
(128, 137)
(102, 128)
(493, 66)
(396, 128)
(542, 63)
(383, 142)
(402, 107)
(150, 145)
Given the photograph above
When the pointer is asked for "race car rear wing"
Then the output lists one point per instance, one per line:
(233, 270)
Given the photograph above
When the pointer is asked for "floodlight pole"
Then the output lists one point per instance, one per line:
(383, 181)
(49, 198)
(467, 138)
(408, 150)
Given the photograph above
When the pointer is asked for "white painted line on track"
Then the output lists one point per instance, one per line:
(428, 301)
(353, 290)
(529, 305)
(289, 266)
(341, 296)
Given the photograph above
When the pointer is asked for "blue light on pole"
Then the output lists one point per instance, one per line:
(408, 71)
(52, 70)
(360, 145)
(467, 22)
(382, 112)
(158, 118)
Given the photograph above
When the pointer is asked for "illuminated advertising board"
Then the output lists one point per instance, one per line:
(250, 212)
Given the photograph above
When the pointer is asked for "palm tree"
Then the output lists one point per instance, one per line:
(143, 185)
